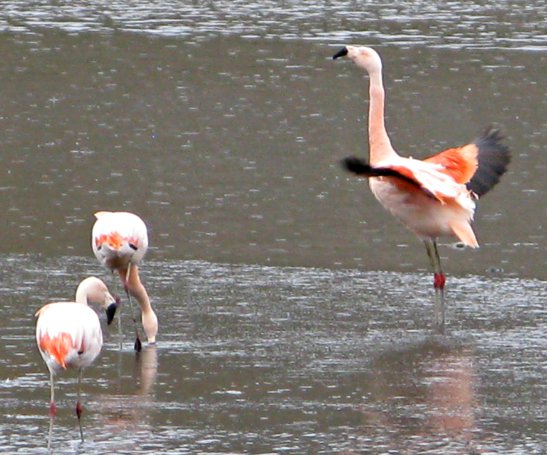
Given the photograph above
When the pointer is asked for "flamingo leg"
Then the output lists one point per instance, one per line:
(138, 344)
(79, 407)
(52, 405)
(120, 334)
(52, 409)
(119, 315)
(439, 281)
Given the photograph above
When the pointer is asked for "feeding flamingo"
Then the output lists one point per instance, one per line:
(69, 335)
(432, 197)
(119, 241)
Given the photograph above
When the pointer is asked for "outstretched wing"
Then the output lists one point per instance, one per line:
(460, 163)
(479, 165)
(413, 174)
(494, 157)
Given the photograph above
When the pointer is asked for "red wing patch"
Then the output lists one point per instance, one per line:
(57, 347)
(460, 163)
(114, 240)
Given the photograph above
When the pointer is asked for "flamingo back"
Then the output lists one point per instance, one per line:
(119, 238)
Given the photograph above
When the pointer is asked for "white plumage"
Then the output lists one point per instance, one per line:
(120, 241)
(119, 238)
(69, 336)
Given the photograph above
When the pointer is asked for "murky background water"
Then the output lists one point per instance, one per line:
(294, 313)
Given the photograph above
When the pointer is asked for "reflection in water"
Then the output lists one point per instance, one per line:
(423, 397)
(128, 410)
(130, 407)
(146, 368)
(451, 395)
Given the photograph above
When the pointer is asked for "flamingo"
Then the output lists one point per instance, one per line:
(69, 335)
(119, 241)
(432, 197)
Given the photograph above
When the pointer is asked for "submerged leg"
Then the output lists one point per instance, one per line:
(439, 281)
(79, 407)
(138, 344)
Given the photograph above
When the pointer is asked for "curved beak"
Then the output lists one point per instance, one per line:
(111, 310)
(341, 53)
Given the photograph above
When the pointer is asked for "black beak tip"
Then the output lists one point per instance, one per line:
(111, 312)
(341, 53)
(138, 345)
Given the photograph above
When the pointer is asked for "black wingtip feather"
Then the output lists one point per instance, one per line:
(494, 157)
(356, 166)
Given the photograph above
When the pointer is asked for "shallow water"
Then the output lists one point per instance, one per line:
(294, 313)
(267, 359)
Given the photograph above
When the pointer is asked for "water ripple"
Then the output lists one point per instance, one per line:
(506, 24)
(301, 358)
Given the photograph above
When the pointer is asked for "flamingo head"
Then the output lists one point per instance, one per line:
(364, 57)
(93, 290)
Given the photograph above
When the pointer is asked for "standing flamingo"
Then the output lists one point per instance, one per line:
(119, 241)
(69, 335)
(432, 197)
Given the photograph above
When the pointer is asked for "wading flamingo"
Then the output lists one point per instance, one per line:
(432, 197)
(119, 241)
(69, 335)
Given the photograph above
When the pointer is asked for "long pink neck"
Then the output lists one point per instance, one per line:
(137, 290)
(380, 145)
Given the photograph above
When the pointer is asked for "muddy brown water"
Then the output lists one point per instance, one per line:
(294, 312)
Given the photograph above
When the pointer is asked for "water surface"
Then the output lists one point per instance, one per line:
(267, 359)
(294, 313)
